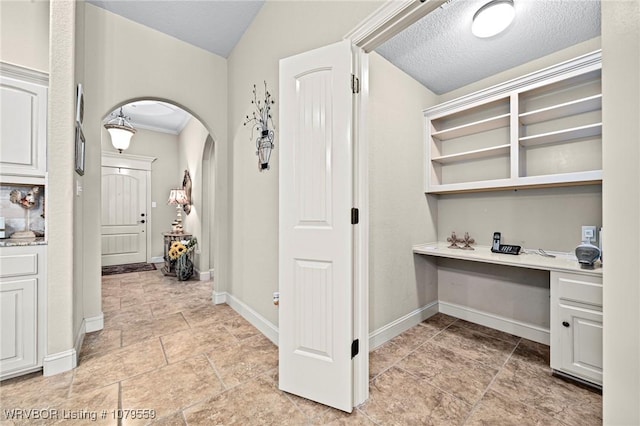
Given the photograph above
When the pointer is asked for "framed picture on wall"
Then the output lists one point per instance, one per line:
(79, 105)
(80, 143)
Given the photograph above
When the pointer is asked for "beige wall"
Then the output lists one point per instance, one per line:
(62, 290)
(164, 148)
(24, 33)
(400, 214)
(621, 133)
(131, 62)
(550, 219)
(281, 29)
(190, 150)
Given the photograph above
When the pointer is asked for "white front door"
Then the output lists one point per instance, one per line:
(316, 244)
(124, 216)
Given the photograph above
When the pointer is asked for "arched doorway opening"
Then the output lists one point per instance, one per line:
(171, 140)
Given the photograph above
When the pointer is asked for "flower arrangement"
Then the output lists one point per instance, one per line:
(178, 255)
(180, 248)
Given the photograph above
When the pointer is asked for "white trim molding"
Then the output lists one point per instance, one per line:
(24, 74)
(204, 276)
(60, 362)
(127, 161)
(258, 321)
(80, 338)
(219, 297)
(395, 328)
(94, 323)
(388, 20)
(517, 328)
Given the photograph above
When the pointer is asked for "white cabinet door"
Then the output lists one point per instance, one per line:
(576, 325)
(23, 132)
(316, 248)
(581, 342)
(18, 325)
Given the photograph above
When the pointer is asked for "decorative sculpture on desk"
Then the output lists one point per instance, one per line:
(454, 240)
(467, 240)
(27, 201)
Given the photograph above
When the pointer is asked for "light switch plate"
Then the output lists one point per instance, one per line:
(589, 234)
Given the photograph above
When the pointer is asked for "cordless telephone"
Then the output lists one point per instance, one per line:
(496, 247)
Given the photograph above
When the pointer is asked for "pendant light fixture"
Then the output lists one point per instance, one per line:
(493, 18)
(120, 131)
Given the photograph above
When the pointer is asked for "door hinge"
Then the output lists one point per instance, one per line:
(355, 347)
(355, 84)
(355, 216)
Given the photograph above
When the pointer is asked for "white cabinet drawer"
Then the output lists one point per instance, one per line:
(577, 288)
(13, 265)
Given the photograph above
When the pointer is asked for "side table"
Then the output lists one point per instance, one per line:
(169, 238)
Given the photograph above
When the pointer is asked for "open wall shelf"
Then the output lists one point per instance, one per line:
(552, 114)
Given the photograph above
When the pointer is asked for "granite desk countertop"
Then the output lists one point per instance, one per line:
(37, 241)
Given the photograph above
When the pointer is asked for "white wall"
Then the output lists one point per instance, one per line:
(163, 147)
(24, 33)
(399, 212)
(621, 153)
(281, 29)
(131, 62)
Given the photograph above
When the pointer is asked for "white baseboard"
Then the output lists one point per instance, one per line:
(94, 323)
(157, 259)
(219, 297)
(204, 276)
(257, 320)
(517, 328)
(80, 338)
(60, 362)
(402, 324)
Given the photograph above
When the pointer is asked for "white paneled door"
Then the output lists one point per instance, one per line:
(315, 243)
(124, 216)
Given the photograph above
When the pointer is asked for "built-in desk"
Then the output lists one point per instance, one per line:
(575, 310)
(563, 262)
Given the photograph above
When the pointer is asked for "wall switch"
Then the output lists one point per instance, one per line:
(589, 235)
(153, 205)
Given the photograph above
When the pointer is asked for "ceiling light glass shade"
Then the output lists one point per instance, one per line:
(120, 137)
(120, 131)
(493, 18)
(177, 196)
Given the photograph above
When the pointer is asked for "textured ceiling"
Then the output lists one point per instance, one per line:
(440, 52)
(213, 25)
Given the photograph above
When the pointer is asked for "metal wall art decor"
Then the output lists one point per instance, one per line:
(259, 121)
(186, 185)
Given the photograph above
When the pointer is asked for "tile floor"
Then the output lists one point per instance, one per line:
(166, 348)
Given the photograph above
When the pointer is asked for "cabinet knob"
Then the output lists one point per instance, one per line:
(142, 221)
(565, 323)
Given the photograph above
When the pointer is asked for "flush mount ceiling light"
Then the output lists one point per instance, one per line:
(120, 131)
(493, 18)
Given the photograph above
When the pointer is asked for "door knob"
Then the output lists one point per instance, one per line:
(566, 324)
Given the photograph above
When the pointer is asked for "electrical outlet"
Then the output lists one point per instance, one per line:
(589, 234)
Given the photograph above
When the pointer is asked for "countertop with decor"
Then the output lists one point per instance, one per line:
(37, 241)
(563, 262)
